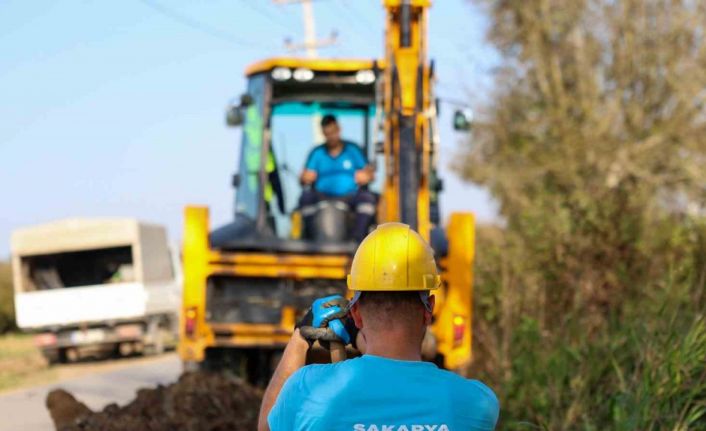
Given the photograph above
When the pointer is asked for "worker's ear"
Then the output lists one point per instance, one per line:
(355, 314)
(429, 314)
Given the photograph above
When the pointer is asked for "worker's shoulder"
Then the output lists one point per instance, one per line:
(316, 370)
(315, 374)
(472, 388)
(318, 149)
(351, 146)
(481, 391)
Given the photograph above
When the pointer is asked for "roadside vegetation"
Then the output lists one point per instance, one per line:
(590, 298)
(7, 303)
(21, 363)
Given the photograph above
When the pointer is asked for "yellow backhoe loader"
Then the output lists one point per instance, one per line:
(246, 283)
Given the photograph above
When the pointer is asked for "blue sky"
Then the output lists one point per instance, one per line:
(116, 108)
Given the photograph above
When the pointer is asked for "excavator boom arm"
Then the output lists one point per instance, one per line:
(407, 102)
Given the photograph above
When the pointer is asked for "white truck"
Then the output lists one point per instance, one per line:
(94, 286)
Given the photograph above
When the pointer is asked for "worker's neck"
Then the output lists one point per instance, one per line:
(335, 148)
(393, 345)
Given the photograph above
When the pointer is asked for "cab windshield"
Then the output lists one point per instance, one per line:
(295, 131)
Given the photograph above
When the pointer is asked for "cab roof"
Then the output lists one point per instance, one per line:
(314, 64)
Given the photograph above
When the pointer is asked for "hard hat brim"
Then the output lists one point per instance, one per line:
(423, 296)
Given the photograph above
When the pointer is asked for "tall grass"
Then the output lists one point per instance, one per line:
(643, 367)
(21, 363)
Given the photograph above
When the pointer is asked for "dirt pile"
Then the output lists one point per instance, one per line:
(197, 402)
(64, 408)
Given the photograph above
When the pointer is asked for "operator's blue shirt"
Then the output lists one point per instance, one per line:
(372, 393)
(336, 175)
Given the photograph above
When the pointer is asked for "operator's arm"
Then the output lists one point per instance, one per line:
(308, 177)
(320, 323)
(364, 176)
(365, 173)
(293, 358)
(310, 172)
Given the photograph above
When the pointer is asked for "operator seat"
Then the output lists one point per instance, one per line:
(242, 234)
(332, 222)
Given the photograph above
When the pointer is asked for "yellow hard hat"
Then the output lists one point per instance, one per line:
(393, 258)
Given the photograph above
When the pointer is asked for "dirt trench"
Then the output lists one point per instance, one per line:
(198, 401)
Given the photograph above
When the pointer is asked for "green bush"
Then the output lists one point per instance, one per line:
(7, 303)
(642, 367)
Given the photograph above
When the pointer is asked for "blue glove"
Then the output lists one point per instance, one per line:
(329, 311)
(323, 321)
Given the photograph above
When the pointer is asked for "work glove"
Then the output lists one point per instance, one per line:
(328, 320)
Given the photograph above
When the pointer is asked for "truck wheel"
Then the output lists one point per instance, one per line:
(156, 348)
(125, 349)
(72, 354)
(156, 334)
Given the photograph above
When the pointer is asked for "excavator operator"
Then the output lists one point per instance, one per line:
(388, 387)
(339, 170)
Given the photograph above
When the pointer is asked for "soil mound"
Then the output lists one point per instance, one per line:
(198, 401)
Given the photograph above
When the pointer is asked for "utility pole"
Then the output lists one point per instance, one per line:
(309, 28)
(311, 43)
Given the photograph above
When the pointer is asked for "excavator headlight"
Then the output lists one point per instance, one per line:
(365, 77)
(303, 75)
(281, 73)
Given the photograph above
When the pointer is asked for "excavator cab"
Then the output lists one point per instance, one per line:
(279, 115)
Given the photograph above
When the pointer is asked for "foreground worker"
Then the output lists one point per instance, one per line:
(389, 388)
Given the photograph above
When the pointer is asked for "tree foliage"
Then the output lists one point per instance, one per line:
(594, 146)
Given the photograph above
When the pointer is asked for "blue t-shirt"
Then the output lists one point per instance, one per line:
(336, 175)
(372, 393)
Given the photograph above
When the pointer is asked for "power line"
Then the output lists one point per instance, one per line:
(359, 15)
(252, 5)
(311, 43)
(344, 11)
(202, 27)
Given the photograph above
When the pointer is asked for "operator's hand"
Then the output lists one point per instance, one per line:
(364, 176)
(328, 320)
(308, 177)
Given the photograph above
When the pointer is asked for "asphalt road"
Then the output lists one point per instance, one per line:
(115, 382)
